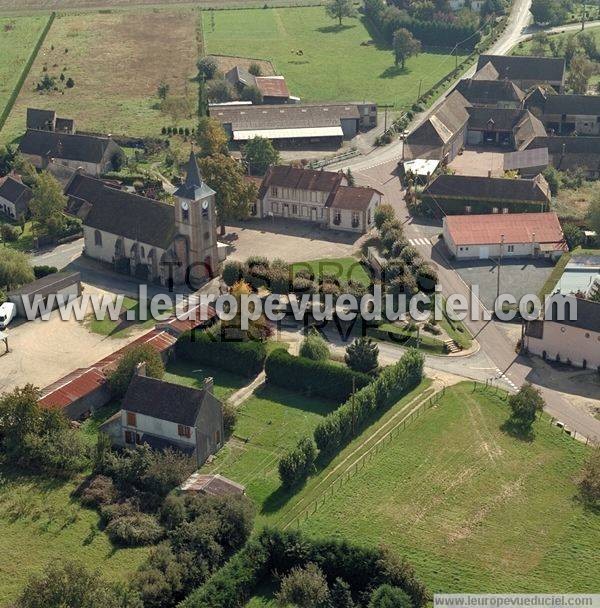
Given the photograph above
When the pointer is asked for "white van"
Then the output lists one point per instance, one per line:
(7, 313)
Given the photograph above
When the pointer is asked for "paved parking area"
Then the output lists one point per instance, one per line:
(479, 162)
(518, 277)
(289, 240)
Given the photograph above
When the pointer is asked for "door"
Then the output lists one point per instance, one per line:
(313, 214)
(286, 211)
(484, 253)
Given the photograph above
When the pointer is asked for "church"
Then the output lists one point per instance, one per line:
(152, 240)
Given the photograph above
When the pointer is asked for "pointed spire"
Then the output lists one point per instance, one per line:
(193, 174)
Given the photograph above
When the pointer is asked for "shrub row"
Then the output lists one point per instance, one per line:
(364, 569)
(348, 420)
(243, 358)
(298, 463)
(321, 378)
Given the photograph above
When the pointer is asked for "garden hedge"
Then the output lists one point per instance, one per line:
(318, 378)
(242, 358)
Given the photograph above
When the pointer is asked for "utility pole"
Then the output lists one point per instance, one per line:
(385, 119)
(500, 265)
(583, 15)
(420, 84)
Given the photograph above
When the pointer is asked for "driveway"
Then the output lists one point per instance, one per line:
(482, 163)
(292, 241)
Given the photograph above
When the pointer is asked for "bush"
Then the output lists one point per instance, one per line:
(409, 254)
(348, 420)
(362, 355)
(573, 235)
(320, 378)
(44, 271)
(302, 285)
(243, 358)
(119, 379)
(589, 480)
(100, 490)
(229, 418)
(9, 233)
(387, 596)
(116, 510)
(135, 530)
(298, 463)
(314, 346)
(208, 67)
(383, 213)
(255, 69)
(427, 277)
(233, 272)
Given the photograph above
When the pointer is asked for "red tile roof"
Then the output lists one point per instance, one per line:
(197, 316)
(516, 228)
(272, 86)
(353, 198)
(69, 389)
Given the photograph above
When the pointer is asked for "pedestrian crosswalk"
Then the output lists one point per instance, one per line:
(506, 379)
(423, 242)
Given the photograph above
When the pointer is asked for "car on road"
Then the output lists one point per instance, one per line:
(8, 312)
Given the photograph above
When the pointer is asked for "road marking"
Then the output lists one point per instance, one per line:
(415, 242)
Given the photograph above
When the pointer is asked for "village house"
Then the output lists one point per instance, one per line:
(14, 197)
(512, 129)
(501, 94)
(296, 124)
(47, 120)
(567, 114)
(273, 89)
(465, 194)
(571, 153)
(513, 235)
(320, 197)
(524, 71)
(167, 415)
(150, 239)
(575, 342)
(92, 154)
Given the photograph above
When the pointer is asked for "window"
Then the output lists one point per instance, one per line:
(207, 236)
(275, 207)
(185, 215)
(355, 219)
(505, 210)
(132, 438)
(274, 191)
(97, 238)
(337, 217)
(131, 419)
(295, 209)
(511, 249)
(184, 431)
(143, 251)
(494, 209)
(369, 217)
(468, 209)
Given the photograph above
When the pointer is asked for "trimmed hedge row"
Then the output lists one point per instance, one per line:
(320, 378)
(298, 463)
(364, 569)
(242, 358)
(345, 423)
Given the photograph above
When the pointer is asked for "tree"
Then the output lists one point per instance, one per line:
(211, 137)
(552, 176)
(48, 204)
(573, 235)
(362, 355)
(303, 588)
(255, 69)
(118, 160)
(589, 480)
(252, 94)
(234, 193)
(524, 407)
(259, 153)
(9, 158)
(593, 214)
(15, 269)
(551, 12)
(580, 72)
(163, 89)
(314, 346)
(119, 379)
(350, 177)
(405, 45)
(220, 91)
(387, 596)
(207, 67)
(338, 9)
(383, 213)
(341, 596)
(69, 585)
(177, 107)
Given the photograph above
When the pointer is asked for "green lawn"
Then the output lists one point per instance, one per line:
(40, 523)
(18, 37)
(122, 327)
(343, 269)
(336, 64)
(472, 508)
(269, 423)
(25, 240)
(191, 374)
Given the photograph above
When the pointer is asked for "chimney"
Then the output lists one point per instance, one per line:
(209, 384)
(140, 369)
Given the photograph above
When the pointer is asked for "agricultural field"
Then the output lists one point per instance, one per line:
(116, 66)
(40, 522)
(18, 37)
(320, 60)
(483, 512)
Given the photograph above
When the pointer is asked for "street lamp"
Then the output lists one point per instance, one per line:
(500, 265)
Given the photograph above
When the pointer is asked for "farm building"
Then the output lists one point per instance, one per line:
(47, 120)
(571, 153)
(567, 114)
(296, 124)
(524, 71)
(514, 235)
(513, 129)
(491, 93)
(462, 194)
(273, 89)
(14, 197)
(321, 197)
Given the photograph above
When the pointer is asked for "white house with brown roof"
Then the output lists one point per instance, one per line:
(510, 235)
(320, 197)
(14, 197)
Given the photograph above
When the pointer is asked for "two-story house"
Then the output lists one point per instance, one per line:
(321, 197)
(166, 415)
(14, 197)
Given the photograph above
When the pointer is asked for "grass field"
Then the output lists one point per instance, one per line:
(344, 269)
(17, 39)
(337, 64)
(269, 423)
(123, 327)
(116, 64)
(472, 508)
(41, 523)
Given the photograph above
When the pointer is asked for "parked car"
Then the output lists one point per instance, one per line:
(8, 312)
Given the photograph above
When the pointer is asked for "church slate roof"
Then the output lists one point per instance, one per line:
(194, 187)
